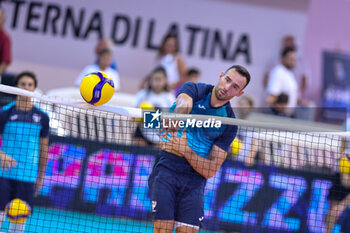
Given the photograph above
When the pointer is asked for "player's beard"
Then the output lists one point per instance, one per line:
(220, 94)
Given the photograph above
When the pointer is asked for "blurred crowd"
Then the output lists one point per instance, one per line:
(284, 82)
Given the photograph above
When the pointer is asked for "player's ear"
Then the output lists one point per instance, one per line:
(241, 93)
(222, 74)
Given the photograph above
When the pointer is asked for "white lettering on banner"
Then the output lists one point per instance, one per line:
(70, 30)
(337, 94)
(191, 123)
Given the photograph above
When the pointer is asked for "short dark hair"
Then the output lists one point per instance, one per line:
(282, 98)
(28, 74)
(193, 71)
(286, 51)
(159, 69)
(242, 71)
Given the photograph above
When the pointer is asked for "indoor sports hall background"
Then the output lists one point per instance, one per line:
(96, 175)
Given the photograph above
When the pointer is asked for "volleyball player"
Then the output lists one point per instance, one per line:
(193, 155)
(24, 130)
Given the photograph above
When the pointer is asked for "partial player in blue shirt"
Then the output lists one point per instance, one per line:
(24, 130)
(193, 154)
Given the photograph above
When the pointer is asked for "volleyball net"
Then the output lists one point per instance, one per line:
(277, 177)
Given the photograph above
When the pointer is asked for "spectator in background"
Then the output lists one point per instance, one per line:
(245, 107)
(103, 44)
(158, 95)
(5, 45)
(300, 71)
(169, 58)
(244, 134)
(193, 75)
(104, 60)
(251, 151)
(282, 80)
(280, 106)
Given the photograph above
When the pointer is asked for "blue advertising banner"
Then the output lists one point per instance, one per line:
(112, 179)
(336, 85)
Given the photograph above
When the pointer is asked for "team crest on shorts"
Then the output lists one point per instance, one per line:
(154, 204)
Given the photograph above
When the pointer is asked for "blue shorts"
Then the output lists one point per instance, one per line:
(177, 195)
(11, 189)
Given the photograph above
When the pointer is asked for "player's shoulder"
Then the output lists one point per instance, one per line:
(200, 84)
(40, 111)
(229, 110)
(8, 106)
(203, 87)
(196, 91)
(6, 109)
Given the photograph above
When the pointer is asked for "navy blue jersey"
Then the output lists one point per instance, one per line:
(200, 139)
(21, 132)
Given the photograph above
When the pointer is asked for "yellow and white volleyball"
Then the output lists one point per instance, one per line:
(97, 88)
(236, 146)
(344, 165)
(17, 211)
(146, 106)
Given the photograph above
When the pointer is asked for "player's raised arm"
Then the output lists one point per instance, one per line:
(184, 103)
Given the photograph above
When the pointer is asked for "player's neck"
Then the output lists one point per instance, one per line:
(24, 103)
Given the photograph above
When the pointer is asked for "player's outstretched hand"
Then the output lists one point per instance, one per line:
(177, 145)
(7, 162)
